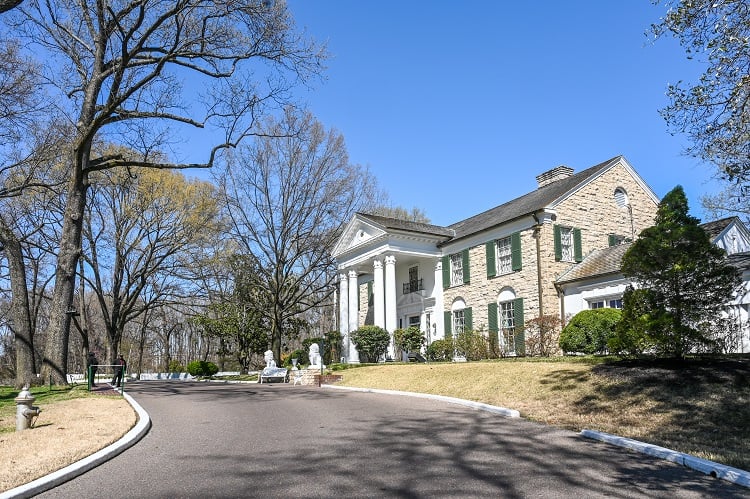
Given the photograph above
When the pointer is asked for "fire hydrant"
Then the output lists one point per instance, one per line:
(25, 412)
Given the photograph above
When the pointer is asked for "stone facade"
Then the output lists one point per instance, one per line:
(603, 202)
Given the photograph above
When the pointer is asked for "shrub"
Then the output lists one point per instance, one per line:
(202, 368)
(175, 366)
(371, 342)
(589, 331)
(410, 339)
(542, 335)
(472, 344)
(440, 350)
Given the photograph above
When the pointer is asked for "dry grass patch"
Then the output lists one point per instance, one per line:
(697, 407)
(65, 432)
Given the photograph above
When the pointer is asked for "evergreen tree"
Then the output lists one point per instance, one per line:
(687, 278)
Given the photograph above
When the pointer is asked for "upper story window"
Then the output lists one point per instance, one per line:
(616, 239)
(504, 256)
(566, 244)
(457, 270)
(568, 247)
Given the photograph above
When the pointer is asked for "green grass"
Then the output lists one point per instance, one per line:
(701, 407)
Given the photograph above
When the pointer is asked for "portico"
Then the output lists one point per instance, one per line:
(390, 277)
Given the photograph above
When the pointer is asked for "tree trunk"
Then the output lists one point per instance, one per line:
(20, 313)
(55, 362)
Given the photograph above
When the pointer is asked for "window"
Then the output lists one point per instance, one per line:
(606, 303)
(616, 239)
(507, 327)
(504, 256)
(566, 244)
(415, 283)
(459, 321)
(568, 247)
(457, 270)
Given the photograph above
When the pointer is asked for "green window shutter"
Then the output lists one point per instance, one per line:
(446, 272)
(577, 247)
(370, 295)
(518, 321)
(448, 323)
(492, 317)
(558, 243)
(468, 321)
(515, 250)
(612, 239)
(465, 262)
(490, 258)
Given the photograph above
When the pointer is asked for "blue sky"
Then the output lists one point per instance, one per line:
(456, 106)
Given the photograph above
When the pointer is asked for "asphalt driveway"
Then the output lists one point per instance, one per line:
(274, 440)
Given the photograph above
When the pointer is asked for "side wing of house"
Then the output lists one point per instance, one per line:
(500, 269)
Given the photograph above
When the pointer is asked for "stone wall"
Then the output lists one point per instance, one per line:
(593, 210)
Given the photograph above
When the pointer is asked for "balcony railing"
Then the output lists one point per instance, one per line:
(413, 286)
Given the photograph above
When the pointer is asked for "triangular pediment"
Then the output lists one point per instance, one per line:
(357, 233)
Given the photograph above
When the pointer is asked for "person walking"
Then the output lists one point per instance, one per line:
(120, 366)
(91, 367)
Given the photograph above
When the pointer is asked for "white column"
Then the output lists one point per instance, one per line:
(378, 296)
(437, 292)
(344, 315)
(353, 313)
(390, 300)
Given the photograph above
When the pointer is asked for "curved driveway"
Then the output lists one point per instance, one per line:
(273, 440)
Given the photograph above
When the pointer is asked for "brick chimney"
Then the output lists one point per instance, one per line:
(553, 175)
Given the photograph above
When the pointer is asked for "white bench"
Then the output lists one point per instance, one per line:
(271, 373)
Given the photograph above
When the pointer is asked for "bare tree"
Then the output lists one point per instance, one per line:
(289, 195)
(116, 69)
(714, 112)
(138, 224)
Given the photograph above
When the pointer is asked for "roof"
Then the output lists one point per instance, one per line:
(599, 262)
(397, 224)
(740, 260)
(716, 227)
(528, 203)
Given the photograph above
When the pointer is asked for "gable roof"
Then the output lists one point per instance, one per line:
(716, 227)
(597, 263)
(406, 225)
(532, 202)
(609, 260)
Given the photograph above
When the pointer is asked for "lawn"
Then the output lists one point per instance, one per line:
(43, 395)
(697, 406)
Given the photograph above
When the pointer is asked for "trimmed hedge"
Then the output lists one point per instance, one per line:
(589, 331)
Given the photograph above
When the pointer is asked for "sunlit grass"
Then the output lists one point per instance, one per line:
(43, 395)
(687, 410)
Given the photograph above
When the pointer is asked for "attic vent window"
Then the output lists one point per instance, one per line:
(621, 197)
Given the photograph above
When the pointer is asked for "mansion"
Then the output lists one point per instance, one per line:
(553, 251)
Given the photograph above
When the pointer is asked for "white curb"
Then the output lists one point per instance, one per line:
(734, 475)
(80, 467)
(467, 403)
